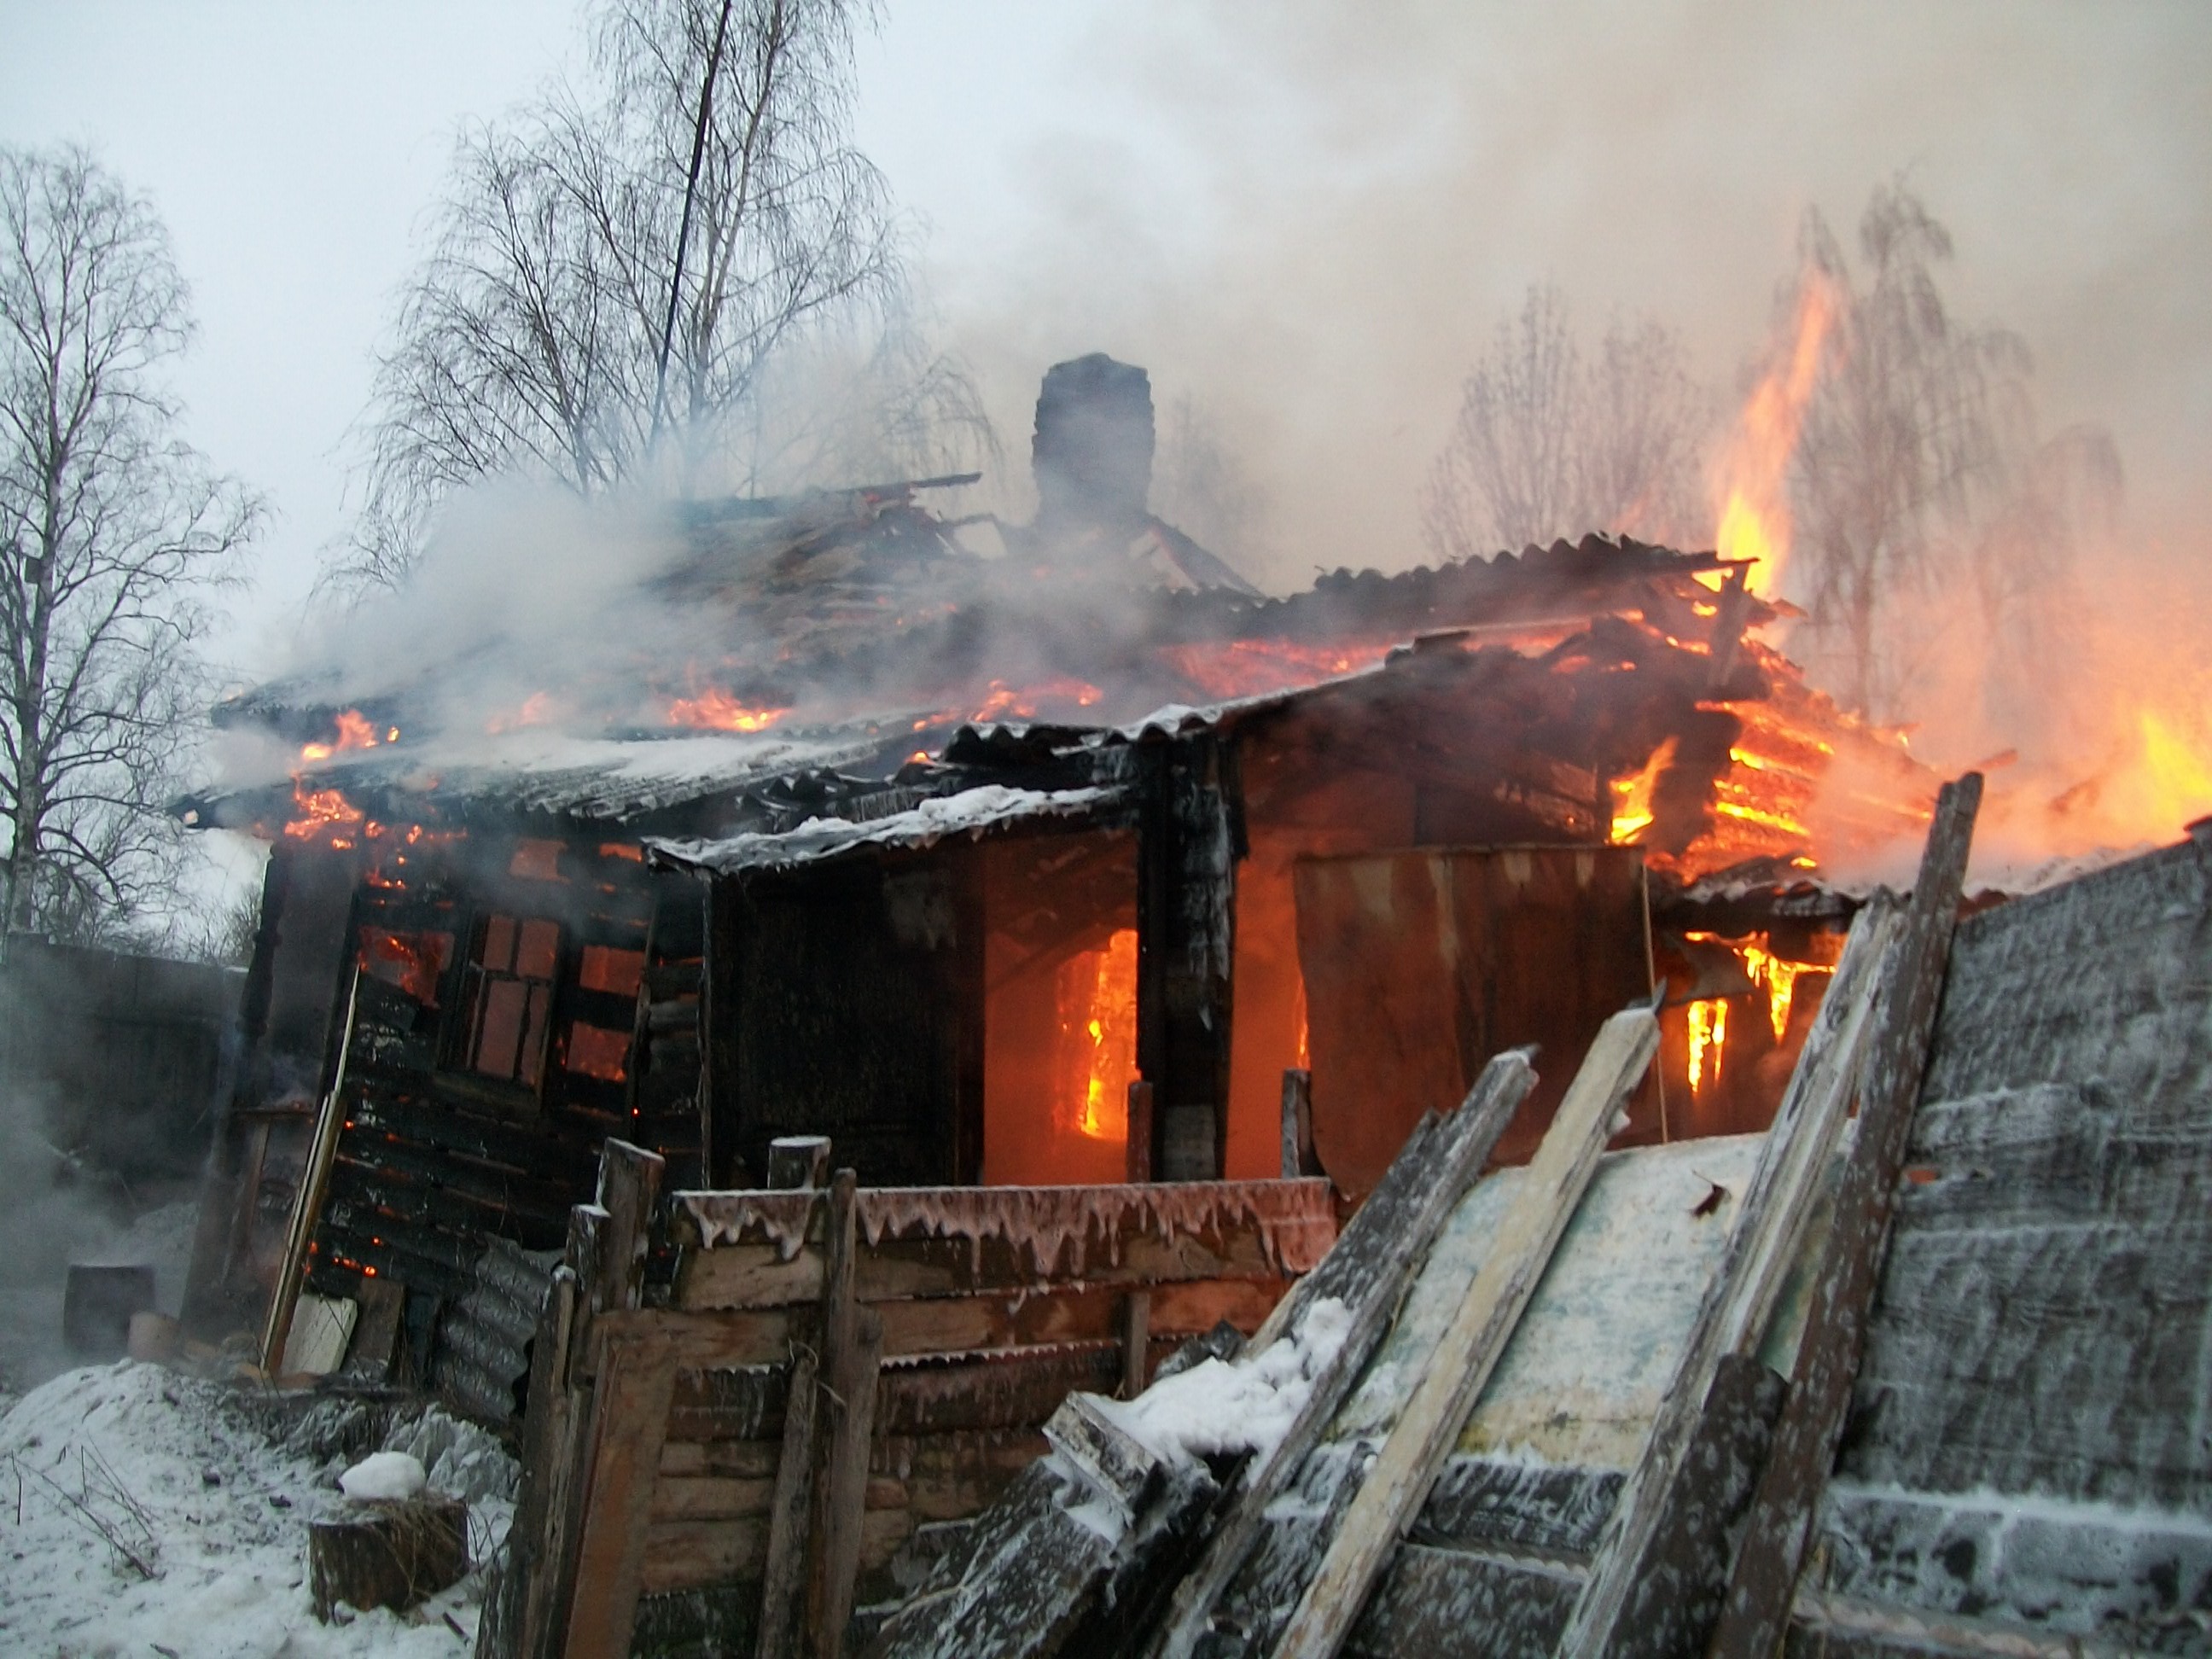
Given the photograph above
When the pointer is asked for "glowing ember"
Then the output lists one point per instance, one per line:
(1708, 1020)
(717, 710)
(1754, 514)
(1249, 668)
(322, 810)
(1098, 1031)
(1631, 797)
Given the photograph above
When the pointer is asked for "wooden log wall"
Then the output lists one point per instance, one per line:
(434, 1159)
(848, 1001)
(1190, 839)
(989, 1306)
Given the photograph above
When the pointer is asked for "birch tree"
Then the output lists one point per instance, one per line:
(1919, 470)
(619, 269)
(1548, 443)
(115, 535)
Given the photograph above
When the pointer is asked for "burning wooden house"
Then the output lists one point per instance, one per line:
(1042, 868)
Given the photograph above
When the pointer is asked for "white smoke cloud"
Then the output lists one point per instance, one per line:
(1308, 218)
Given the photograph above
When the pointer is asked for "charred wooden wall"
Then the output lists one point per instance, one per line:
(1189, 838)
(436, 1160)
(438, 1156)
(846, 1000)
(1419, 965)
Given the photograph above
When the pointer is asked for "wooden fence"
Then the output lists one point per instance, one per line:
(834, 1371)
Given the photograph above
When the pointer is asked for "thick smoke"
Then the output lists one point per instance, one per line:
(1308, 219)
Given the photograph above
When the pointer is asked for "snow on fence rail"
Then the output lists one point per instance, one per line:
(835, 1371)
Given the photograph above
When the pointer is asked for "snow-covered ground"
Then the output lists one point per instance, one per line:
(143, 1512)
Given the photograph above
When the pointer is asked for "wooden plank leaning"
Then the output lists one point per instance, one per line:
(1621, 1608)
(1778, 1527)
(1369, 1271)
(1395, 1487)
(307, 1201)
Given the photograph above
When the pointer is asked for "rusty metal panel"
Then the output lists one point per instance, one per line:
(1420, 965)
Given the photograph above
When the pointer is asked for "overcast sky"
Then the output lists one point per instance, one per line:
(1308, 218)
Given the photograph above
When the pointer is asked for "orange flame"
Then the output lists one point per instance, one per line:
(717, 710)
(1051, 695)
(1631, 797)
(1098, 1028)
(537, 708)
(2159, 779)
(2181, 771)
(323, 809)
(1754, 512)
(1708, 1036)
(355, 731)
(1775, 975)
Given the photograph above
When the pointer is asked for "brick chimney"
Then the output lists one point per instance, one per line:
(1092, 455)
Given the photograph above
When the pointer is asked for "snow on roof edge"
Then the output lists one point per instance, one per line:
(972, 811)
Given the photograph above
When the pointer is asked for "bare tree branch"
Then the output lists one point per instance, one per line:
(1548, 445)
(527, 343)
(114, 537)
(1917, 462)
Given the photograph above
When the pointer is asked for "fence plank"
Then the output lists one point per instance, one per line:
(1779, 1527)
(1619, 1604)
(635, 1380)
(784, 1577)
(1395, 1487)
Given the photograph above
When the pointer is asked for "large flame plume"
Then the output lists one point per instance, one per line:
(1753, 494)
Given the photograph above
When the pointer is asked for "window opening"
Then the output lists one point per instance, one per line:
(512, 1007)
(597, 1052)
(617, 972)
(414, 962)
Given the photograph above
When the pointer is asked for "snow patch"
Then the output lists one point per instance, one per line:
(1243, 1405)
(385, 1476)
(108, 1463)
(971, 812)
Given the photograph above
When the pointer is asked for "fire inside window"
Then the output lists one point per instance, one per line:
(511, 1001)
(413, 962)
